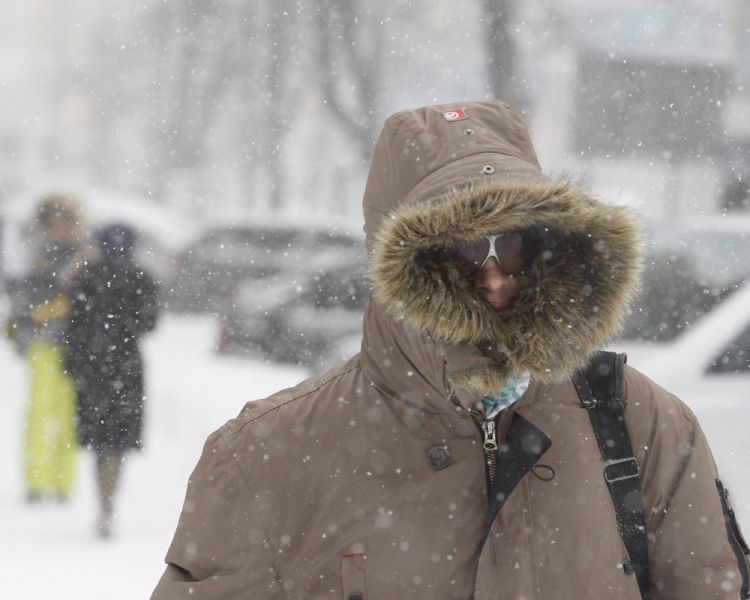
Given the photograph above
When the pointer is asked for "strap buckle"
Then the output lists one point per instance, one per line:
(618, 469)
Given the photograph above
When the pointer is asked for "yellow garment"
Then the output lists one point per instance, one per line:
(56, 308)
(51, 445)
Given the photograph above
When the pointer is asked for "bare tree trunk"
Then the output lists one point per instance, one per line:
(247, 74)
(277, 101)
(499, 52)
(346, 30)
(264, 61)
(56, 89)
(194, 70)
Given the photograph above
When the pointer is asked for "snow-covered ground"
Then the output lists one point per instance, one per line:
(50, 552)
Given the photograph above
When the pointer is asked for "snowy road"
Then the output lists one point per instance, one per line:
(50, 552)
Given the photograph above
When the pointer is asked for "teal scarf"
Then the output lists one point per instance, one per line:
(509, 394)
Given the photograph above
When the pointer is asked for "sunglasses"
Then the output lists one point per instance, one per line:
(510, 250)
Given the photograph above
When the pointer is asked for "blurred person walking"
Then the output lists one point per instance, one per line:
(115, 304)
(40, 310)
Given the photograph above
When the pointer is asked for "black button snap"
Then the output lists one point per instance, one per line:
(439, 457)
(356, 596)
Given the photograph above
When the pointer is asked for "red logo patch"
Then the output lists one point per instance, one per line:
(457, 114)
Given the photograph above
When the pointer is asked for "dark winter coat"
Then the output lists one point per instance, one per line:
(41, 301)
(370, 482)
(115, 303)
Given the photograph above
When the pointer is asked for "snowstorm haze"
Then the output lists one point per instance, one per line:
(275, 105)
(206, 105)
(234, 137)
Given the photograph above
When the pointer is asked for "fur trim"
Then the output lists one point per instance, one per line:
(575, 297)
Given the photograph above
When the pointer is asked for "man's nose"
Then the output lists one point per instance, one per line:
(491, 277)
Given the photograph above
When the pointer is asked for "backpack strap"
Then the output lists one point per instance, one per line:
(601, 389)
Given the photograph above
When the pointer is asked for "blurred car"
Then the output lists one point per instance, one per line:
(689, 270)
(707, 364)
(307, 320)
(210, 268)
(716, 245)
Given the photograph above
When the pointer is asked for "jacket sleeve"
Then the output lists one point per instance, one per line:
(220, 550)
(696, 549)
(20, 325)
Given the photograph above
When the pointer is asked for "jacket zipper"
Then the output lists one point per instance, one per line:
(489, 443)
(488, 428)
(735, 539)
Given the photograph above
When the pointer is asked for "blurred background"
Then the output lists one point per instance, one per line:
(234, 138)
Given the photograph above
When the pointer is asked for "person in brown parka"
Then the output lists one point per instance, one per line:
(493, 284)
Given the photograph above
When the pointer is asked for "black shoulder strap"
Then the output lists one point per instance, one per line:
(601, 388)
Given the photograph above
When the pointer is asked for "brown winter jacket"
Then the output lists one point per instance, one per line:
(370, 482)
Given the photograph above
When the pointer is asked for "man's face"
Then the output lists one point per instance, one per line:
(495, 266)
(498, 288)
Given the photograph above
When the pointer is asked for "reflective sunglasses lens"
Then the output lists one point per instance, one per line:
(469, 256)
(512, 253)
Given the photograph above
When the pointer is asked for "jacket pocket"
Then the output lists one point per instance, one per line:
(736, 540)
(353, 573)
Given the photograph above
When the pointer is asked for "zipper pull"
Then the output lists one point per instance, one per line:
(490, 441)
(490, 452)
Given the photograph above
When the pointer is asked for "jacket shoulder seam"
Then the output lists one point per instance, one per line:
(296, 397)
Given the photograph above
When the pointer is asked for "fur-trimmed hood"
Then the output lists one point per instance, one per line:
(455, 173)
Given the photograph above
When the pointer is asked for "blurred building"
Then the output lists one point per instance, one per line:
(649, 101)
